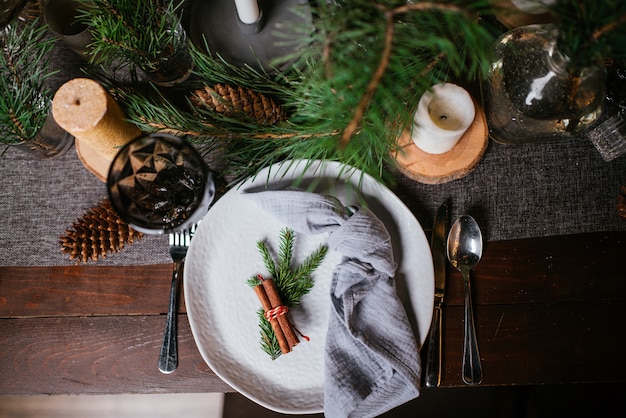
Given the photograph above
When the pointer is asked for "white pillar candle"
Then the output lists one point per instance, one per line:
(443, 115)
(248, 10)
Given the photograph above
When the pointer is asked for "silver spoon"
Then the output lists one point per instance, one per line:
(465, 247)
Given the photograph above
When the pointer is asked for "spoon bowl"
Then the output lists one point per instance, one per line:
(465, 248)
(465, 243)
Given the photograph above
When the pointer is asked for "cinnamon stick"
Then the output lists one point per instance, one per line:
(274, 299)
(265, 302)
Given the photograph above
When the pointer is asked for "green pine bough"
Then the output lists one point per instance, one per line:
(25, 99)
(140, 33)
(292, 282)
(350, 91)
(355, 84)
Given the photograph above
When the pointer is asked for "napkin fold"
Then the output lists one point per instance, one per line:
(372, 362)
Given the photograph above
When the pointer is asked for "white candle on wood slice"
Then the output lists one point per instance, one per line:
(443, 115)
(248, 11)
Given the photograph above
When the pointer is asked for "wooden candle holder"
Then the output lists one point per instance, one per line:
(452, 165)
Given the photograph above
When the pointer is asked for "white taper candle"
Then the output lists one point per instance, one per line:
(248, 10)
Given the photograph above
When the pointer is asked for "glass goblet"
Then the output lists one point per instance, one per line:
(159, 184)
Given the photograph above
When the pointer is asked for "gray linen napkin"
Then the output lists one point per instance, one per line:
(371, 358)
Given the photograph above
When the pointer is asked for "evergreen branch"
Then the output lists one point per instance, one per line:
(268, 260)
(19, 126)
(10, 65)
(308, 266)
(285, 252)
(124, 47)
(269, 342)
(347, 97)
(373, 84)
(291, 284)
(253, 281)
(215, 132)
(116, 13)
(424, 6)
(390, 15)
(24, 69)
(142, 33)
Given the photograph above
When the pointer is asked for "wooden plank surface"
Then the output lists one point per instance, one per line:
(549, 310)
(84, 290)
(581, 267)
(98, 355)
(519, 344)
(540, 343)
(566, 268)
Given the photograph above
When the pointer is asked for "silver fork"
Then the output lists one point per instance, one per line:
(168, 358)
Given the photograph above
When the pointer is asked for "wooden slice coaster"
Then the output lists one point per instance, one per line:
(452, 165)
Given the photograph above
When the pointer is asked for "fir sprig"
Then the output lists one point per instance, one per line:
(292, 282)
(24, 69)
(143, 33)
(269, 342)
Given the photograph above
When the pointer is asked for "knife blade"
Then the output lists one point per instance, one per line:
(438, 249)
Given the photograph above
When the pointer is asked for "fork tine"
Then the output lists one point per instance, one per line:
(175, 239)
(187, 238)
(190, 232)
(182, 238)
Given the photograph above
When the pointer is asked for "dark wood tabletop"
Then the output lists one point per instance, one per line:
(548, 311)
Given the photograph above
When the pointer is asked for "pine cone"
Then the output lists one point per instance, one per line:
(98, 232)
(621, 201)
(235, 101)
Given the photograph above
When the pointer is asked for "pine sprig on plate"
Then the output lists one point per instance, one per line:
(269, 342)
(292, 282)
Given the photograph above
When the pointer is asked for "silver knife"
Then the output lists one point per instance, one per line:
(438, 249)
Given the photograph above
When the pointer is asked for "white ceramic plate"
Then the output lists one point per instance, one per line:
(222, 307)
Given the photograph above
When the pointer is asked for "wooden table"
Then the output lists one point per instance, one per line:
(548, 310)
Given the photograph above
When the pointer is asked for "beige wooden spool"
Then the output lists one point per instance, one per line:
(452, 165)
(84, 109)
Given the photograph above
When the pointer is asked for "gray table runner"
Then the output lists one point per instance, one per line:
(42, 198)
(516, 191)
